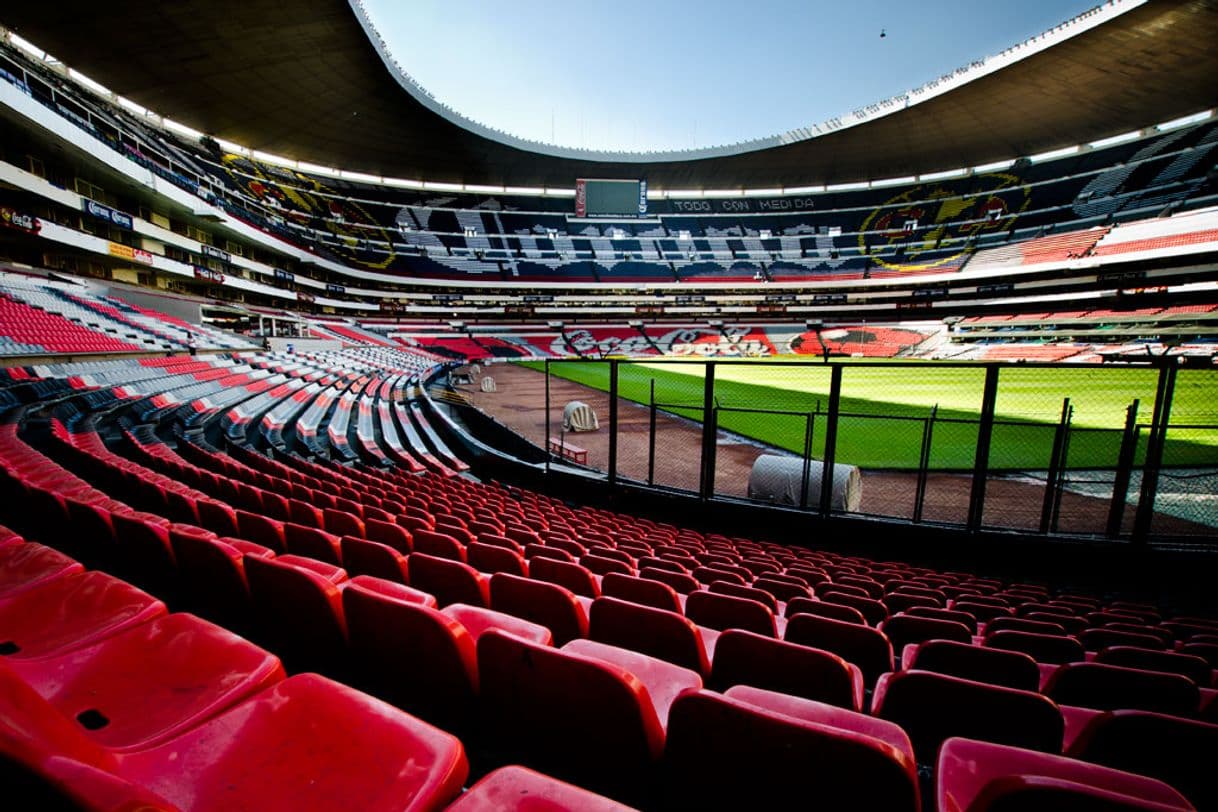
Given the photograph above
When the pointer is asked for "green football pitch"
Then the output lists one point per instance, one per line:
(886, 407)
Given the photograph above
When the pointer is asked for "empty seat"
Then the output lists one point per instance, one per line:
(978, 775)
(363, 557)
(306, 743)
(64, 613)
(450, 581)
(143, 543)
(946, 614)
(641, 590)
(746, 658)
(311, 542)
(603, 565)
(28, 565)
(409, 653)
(1113, 687)
(1022, 624)
(261, 530)
(755, 749)
(385, 532)
(864, 646)
(489, 558)
(905, 629)
(152, 681)
(781, 589)
(994, 666)
(873, 611)
(213, 578)
(299, 613)
(1044, 648)
(663, 681)
(519, 789)
(656, 632)
(729, 612)
(813, 606)
(342, 523)
(759, 595)
(576, 717)
(1096, 639)
(1169, 748)
(568, 574)
(984, 612)
(550, 605)
(682, 582)
(1191, 666)
(440, 545)
(934, 707)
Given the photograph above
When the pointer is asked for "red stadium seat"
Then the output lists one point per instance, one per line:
(519, 789)
(980, 775)
(746, 658)
(152, 681)
(755, 749)
(269, 742)
(547, 604)
(74, 610)
(934, 707)
(656, 632)
(572, 716)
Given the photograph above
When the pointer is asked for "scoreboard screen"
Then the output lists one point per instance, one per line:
(596, 197)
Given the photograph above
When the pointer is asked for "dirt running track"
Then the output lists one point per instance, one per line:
(1013, 503)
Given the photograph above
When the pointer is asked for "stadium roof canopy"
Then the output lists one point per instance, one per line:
(310, 81)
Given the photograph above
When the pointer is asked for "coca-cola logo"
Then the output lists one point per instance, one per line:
(21, 221)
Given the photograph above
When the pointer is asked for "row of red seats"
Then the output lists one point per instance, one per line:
(842, 576)
(107, 701)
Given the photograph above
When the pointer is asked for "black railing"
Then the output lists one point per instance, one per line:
(1035, 448)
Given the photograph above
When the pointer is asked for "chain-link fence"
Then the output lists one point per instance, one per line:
(1127, 452)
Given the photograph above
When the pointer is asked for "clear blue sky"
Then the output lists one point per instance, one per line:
(676, 74)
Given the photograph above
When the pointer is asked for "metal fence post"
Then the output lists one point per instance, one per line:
(985, 434)
(928, 433)
(831, 418)
(1124, 471)
(651, 437)
(1154, 453)
(1057, 463)
(809, 427)
(613, 372)
(546, 439)
(707, 479)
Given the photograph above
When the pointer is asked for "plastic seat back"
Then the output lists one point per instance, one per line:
(1169, 748)
(643, 591)
(551, 605)
(648, 630)
(905, 629)
(864, 646)
(441, 545)
(450, 581)
(1115, 687)
(152, 681)
(352, 747)
(409, 653)
(489, 558)
(729, 612)
(299, 614)
(745, 658)
(979, 775)
(934, 707)
(1012, 669)
(575, 577)
(569, 715)
(363, 557)
(77, 609)
(723, 753)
